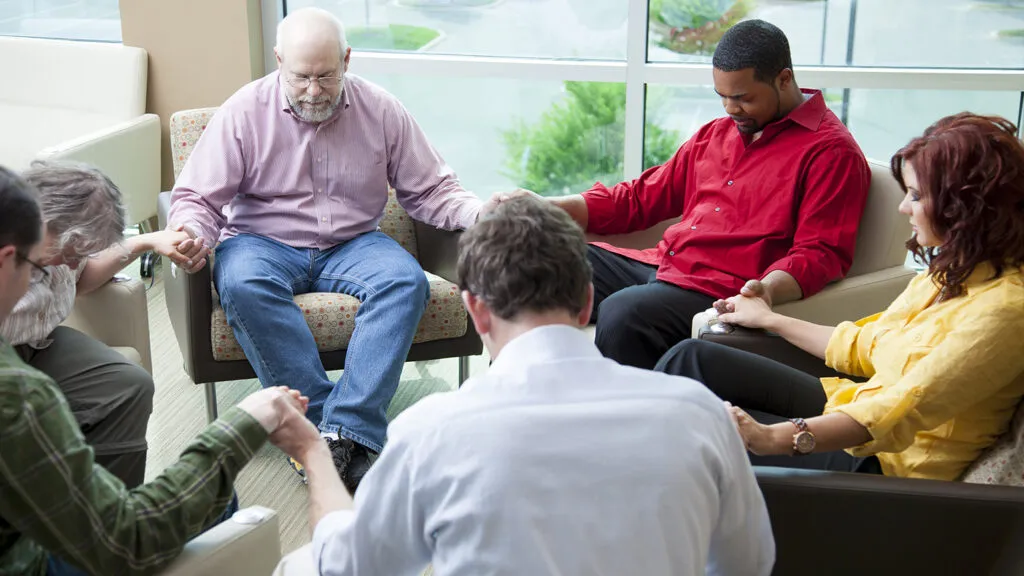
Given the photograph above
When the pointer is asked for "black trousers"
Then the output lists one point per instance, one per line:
(110, 397)
(638, 317)
(769, 391)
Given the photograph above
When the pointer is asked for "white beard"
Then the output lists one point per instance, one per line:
(315, 115)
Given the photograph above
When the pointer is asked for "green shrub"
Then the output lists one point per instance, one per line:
(578, 141)
(393, 37)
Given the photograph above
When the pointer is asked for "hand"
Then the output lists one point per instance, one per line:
(750, 312)
(192, 249)
(275, 406)
(298, 437)
(499, 197)
(758, 438)
(165, 243)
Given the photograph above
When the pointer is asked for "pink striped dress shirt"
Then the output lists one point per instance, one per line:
(259, 169)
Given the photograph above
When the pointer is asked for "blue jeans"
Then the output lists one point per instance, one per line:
(57, 566)
(257, 279)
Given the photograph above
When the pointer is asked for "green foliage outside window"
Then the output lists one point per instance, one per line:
(578, 141)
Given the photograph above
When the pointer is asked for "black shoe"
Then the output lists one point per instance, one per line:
(352, 461)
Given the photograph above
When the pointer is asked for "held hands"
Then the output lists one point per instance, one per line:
(181, 246)
(276, 407)
(499, 197)
(758, 438)
(750, 309)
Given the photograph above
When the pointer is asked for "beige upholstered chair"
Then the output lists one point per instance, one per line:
(208, 345)
(117, 315)
(878, 273)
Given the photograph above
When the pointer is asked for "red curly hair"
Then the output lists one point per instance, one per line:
(970, 170)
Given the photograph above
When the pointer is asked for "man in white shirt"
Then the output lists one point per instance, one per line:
(557, 461)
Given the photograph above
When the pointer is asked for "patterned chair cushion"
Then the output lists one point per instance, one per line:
(331, 319)
(330, 316)
(1003, 462)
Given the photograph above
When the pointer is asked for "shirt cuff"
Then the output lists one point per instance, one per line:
(839, 351)
(238, 425)
(601, 212)
(330, 528)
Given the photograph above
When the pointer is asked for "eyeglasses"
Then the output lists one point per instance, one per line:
(39, 272)
(325, 82)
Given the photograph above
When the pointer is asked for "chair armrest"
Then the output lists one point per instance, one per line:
(117, 315)
(189, 303)
(765, 344)
(127, 152)
(247, 543)
(438, 250)
(868, 524)
(851, 298)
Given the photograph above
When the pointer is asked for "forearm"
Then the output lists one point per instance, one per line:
(326, 492)
(119, 532)
(101, 268)
(809, 337)
(575, 206)
(781, 287)
(832, 432)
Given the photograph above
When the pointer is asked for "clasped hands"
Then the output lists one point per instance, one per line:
(181, 246)
(750, 308)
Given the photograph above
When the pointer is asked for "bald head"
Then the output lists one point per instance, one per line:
(311, 31)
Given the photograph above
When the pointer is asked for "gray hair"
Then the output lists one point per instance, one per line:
(307, 15)
(80, 205)
(527, 255)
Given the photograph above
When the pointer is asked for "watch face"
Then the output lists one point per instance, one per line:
(803, 442)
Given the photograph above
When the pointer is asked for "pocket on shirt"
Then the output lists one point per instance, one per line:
(914, 355)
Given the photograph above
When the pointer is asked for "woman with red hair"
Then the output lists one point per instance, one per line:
(935, 378)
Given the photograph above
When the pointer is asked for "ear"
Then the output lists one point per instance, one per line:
(7, 255)
(785, 78)
(588, 308)
(479, 313)
(277, 55)
(345, 60)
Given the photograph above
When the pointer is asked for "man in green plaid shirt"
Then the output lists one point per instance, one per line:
(62, 514)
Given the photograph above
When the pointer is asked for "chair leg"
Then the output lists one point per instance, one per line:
(211, 401)
(463, 369)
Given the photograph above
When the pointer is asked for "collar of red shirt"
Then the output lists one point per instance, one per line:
(282, 99)
(810, 112)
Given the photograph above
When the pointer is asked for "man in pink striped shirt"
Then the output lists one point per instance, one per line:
(291, 177)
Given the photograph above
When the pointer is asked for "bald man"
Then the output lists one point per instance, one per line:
(304, 157)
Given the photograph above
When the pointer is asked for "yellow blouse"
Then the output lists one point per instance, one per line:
(944, 379)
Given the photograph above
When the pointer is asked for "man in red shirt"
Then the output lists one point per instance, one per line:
(772, 193)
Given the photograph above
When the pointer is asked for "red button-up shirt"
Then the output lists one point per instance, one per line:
(791, 200)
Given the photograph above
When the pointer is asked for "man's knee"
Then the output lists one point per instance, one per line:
(621, 311)
(680, 356)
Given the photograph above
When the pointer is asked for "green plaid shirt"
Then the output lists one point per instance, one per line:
(55, 499)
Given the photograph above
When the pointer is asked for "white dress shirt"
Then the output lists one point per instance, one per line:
(557, 461)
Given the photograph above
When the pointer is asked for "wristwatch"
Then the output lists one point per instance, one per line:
(803, 440)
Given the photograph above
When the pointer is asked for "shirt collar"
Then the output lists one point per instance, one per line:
(543, 344)
(810, 112)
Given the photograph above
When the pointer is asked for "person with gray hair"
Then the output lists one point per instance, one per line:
(557, 460)
(83, 247)
(304, 158)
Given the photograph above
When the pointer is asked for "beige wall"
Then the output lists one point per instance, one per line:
(200, 52)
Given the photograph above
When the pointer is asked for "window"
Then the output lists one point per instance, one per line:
(546, 29)
(98, 20)
(498, 84)
(499, 134)
(907, 33)
(882, 121)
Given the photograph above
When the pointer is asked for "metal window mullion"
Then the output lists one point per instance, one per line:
(636, 88)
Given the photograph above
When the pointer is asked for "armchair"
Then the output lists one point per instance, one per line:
(867, 524)
(117, 315)
(208, 346)
(86, 102)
